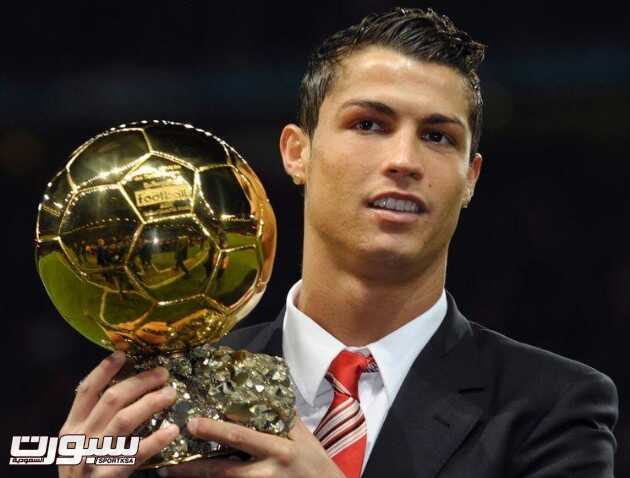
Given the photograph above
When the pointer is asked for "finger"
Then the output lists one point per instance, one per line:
(250, 441)
(212, 468)
(130, 418)
(122, 394)
(91, 387)
(155, 443)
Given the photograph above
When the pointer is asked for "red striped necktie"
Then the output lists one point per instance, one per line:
(342, 431)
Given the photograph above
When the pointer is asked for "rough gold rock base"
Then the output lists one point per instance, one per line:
(253, 390)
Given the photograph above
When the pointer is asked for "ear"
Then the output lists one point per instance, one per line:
(295, 151)
(472, 175)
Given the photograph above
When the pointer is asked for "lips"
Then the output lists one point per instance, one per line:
(398, 202)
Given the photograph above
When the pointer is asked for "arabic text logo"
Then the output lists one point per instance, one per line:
(71, 449)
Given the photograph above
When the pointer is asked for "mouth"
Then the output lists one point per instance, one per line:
(398, 203)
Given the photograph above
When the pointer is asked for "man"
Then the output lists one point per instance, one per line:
(388, 374)
(181, 254)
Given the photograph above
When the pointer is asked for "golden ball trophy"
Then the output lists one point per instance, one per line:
(156, 239)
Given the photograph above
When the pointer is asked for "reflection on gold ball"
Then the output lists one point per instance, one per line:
(156, 236)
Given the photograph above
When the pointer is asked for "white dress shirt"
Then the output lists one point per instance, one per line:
(309, 350)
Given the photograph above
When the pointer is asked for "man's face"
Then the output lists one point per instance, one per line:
(387, 169)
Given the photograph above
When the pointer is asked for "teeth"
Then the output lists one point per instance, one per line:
(401, 205)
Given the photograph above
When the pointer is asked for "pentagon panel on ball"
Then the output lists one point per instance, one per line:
(160, 187)
(172, 259)
(156, 236)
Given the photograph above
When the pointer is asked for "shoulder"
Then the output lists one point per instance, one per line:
(246, 337)
(544, 404)
(515, 368)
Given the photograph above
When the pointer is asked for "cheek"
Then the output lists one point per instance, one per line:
(452, 175)
(334, 172)
(446, 188)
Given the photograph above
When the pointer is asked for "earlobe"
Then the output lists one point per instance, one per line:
(474, 169)
(294, 148)
(468, 194)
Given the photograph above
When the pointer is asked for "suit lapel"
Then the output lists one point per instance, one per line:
(430, 416)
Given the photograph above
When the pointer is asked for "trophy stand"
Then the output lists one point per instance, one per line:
(253, 390)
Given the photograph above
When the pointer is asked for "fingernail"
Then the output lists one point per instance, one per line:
(160, 372)
(168, 391)
(193, 424)
(172, 430)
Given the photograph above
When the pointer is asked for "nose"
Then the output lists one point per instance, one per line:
(403, 160)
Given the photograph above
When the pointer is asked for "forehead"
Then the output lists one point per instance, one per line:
(401, 81)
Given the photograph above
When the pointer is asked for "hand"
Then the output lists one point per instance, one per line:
(99, 411)
(299, 456)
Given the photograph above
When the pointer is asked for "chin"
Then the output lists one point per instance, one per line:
(396, 244)
(392, 255)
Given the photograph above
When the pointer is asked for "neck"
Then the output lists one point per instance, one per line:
(361, 303)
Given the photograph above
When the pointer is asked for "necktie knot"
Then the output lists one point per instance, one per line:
(346, 369)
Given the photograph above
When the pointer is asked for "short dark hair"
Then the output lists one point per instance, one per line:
(421, 34)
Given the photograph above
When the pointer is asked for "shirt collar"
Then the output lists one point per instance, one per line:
(396, 352)
(309, 349)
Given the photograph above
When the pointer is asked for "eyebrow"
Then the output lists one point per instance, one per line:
(433, 119)
(371, 105)
(438, 118)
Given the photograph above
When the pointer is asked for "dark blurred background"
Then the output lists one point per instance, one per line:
(541, 254)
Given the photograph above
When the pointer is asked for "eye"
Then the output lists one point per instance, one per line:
(368, 125)
(438, 137)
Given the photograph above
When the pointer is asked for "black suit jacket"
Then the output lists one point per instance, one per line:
(478, 404)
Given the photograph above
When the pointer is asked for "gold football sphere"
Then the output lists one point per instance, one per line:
(156, 236)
